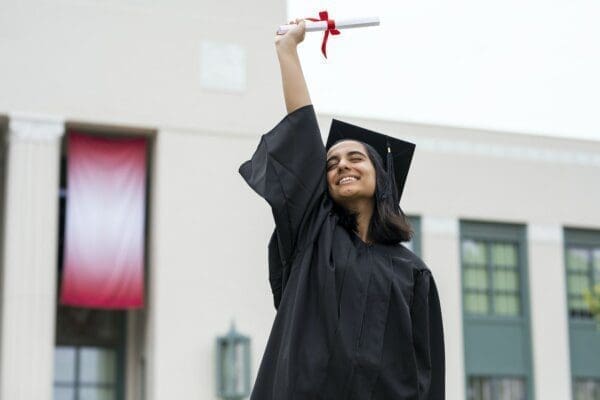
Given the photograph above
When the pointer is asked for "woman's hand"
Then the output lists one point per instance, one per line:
(293, 37)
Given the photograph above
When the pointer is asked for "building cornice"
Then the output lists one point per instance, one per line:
(31, 127)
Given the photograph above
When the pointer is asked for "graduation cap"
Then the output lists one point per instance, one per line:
(396, 153)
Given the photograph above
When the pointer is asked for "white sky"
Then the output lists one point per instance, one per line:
(526, 66)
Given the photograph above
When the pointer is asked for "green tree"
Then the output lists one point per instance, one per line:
(592, 298)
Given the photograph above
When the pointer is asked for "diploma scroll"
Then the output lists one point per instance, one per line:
(320, 26)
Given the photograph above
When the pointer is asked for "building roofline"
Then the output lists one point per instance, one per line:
(469, 130)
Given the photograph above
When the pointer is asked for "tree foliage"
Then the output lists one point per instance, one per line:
(592, 299)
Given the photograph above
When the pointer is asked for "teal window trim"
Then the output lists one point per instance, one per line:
(504, 232)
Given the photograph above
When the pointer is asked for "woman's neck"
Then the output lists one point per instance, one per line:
(364, 211)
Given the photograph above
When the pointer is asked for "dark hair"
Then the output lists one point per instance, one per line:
(389, 224)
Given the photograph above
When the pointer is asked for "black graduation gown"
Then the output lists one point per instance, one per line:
(354, 321)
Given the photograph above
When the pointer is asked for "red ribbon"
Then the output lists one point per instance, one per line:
(324, 16)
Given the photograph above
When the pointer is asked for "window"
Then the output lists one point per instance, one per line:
(89, 354)
(582, 265)
(415, 243)
(583, 273)
(491, 278)
(496, 388)
(586, 389)
(85, 373)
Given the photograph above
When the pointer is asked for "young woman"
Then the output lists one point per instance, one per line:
(358, 314)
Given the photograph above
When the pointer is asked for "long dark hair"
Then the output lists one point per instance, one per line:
(389, 224)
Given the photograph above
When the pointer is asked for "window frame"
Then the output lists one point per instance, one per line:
(579, 238)
(491, 292)
(497, 232)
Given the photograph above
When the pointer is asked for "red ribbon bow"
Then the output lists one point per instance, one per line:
(324, 16)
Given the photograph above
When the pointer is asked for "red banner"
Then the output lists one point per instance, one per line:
(105, 219)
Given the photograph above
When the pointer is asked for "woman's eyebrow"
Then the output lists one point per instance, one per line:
(355, 152)
(348, 154)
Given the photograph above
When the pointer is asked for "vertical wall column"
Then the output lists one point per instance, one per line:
(550, 329)
(441, 243)
(29, 260)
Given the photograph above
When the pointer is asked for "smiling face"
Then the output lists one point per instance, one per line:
(350, 172)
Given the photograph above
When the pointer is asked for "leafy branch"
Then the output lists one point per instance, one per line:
(592, 299)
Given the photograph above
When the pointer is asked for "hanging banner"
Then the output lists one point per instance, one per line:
(105, 219)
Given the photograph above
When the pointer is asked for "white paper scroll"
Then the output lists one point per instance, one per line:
(339, 24)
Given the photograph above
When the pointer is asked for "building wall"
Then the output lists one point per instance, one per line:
(208, 253)
(139, 63)
(147, 65)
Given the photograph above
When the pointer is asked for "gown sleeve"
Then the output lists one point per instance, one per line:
(428, 337)
(287, 169)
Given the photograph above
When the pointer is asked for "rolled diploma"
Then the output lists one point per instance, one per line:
(339, 24)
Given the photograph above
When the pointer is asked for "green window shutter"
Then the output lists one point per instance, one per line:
(496, 310)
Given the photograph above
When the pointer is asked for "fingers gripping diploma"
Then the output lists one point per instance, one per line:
(294, 36)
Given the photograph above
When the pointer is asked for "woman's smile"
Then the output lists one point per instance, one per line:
(347, 179)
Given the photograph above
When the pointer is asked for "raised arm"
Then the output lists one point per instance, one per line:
(288, 167)
(295, 90)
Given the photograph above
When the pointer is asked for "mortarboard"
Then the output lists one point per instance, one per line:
(396, 153)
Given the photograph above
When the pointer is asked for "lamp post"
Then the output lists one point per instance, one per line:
(233, 365)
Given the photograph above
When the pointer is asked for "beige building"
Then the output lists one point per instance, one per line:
(508, 223)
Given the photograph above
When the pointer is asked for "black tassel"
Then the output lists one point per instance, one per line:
(391, 175)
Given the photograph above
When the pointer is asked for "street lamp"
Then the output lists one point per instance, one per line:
(233, 365)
